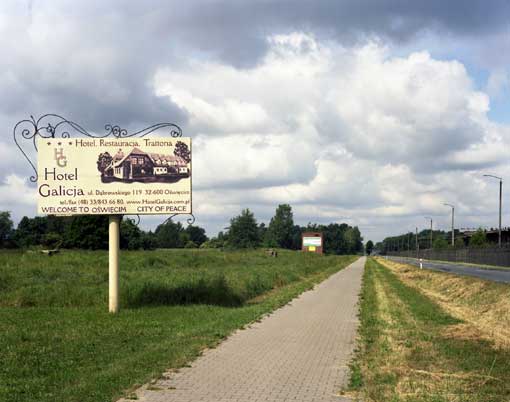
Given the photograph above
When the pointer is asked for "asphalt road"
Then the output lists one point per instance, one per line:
(459, 269)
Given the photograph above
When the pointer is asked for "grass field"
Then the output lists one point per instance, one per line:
(423, 338)
(58, 343)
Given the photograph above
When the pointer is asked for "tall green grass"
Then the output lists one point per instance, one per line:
(58, 343)
(163, 277)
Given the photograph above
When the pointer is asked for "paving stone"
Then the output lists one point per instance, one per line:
(299, 353)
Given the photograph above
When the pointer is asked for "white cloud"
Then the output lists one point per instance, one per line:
(333, 130)
(17, 196)
(338, 131)
(498, 83)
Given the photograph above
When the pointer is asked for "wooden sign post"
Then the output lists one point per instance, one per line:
(113, 262)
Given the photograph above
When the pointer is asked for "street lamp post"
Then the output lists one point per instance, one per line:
(500, 198)
(453, 222)
(417, 245)
(428, 217)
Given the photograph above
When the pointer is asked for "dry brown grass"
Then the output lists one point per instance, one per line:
(395, 374)
(416, 348)
(483, 304)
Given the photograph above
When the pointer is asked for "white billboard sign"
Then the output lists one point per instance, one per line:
(82, 176)
(312, 241)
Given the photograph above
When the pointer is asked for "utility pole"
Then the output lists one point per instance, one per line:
(417, 245)
(500, 200)
(427, 217)
(453, 222)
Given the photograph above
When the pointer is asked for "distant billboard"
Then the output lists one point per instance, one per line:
(312, 242)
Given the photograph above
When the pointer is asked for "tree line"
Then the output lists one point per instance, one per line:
(91, 232)
(245, 232)
(440, 240)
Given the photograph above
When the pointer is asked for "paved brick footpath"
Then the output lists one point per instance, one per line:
(299, 353)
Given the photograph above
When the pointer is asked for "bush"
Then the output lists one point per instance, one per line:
(479, 239)
(149, 241)
(190, 244)
(51, 240)
(213, 243)
(196, 234)
(215, 291)
(439, 243)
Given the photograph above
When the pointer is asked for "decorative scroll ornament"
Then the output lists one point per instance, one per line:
(189, 221)
(137, 221)
(52, 125)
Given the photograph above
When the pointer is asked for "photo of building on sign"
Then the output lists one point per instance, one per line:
(146, 167)
(312, 242)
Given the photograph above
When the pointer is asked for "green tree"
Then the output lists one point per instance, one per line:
(130, 235)
(87, 232)
(58, 224)
(183, 239)
(149, 241)
(6, 228)
(479, 238)
(439, 243)
(296, 237)
(30, 231)
(280, 229)
(262, 231)
(84, 232)
(168, 234)
(369, 247)
(244, 231)
(196, 234)
(334, 235)
(354, 240)
(338, 238)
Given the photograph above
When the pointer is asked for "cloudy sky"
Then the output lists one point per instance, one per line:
(372, 112)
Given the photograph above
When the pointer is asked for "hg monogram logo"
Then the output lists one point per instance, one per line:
(60, 158)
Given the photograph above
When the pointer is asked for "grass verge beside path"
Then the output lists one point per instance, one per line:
(58, 343)
(411, 349)
(483, 304)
